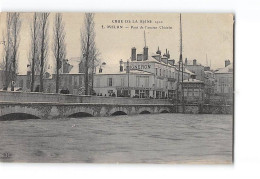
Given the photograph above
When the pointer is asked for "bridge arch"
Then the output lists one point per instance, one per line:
(145, 112)
(79, 111)
(79, 114)
(18, 116)
(118, 113)
(24, 112)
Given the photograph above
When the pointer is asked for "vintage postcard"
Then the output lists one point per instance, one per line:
(116, 87)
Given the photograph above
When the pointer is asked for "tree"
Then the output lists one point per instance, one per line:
(87, 39)
(94, 59)
(11, 45)
(59, 46)
(34, 50)
(44, 24)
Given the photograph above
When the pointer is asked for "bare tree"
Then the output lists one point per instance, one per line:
(8, 42)
(11, 45)
(94, 59)
(59, 46)
(87, 39)
(44, 24)
(34, 50)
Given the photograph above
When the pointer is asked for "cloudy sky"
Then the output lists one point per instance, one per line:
(210, 34)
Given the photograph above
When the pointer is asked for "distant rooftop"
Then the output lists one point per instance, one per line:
(227, 69)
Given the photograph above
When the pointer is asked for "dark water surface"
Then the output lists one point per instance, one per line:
(150, 138)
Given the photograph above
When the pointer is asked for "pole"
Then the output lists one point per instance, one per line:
(177, 90)
(180, 61)
(182, 89)
(183, 110)
(128, 77)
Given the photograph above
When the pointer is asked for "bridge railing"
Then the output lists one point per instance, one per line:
(7, 96)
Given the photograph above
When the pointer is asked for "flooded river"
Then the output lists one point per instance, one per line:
(148, 138)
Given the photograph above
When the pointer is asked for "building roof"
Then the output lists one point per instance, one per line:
(188, 71)
(190, 62)
(208, 72)
(227, 69)
(151, 58)
(75, 65)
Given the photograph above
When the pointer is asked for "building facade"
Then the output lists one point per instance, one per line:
(194, 91)
(143, 76)
(195, 68)
(224, 83)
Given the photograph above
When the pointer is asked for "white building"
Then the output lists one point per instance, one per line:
(224, 80)
(150, 75)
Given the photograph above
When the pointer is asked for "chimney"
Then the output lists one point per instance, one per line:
(158, 51)
(145, 54)
(194, 62)
(227, 62)
(186, 61)
(121, 66)
(133, 54)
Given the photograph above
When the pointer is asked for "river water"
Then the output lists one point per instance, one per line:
(148, 138)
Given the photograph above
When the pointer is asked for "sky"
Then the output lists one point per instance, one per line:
(203, 34)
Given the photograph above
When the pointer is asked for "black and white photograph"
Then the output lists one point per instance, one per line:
(127, 88)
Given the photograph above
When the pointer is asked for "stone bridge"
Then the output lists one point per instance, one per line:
(20, 105)
(46, 106)
(57, 110)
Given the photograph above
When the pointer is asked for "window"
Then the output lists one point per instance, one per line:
(156, 71)
(160, 72)
(110, 92)
(146, 82)
(137, 81)
(110, 82)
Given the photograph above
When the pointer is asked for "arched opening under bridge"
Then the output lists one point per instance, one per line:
(17, 116)
(145, 112)
(118, 113)
(80, 114)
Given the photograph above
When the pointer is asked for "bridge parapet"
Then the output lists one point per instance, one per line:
(7, 96)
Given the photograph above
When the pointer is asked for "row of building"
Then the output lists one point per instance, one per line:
(145, 75)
